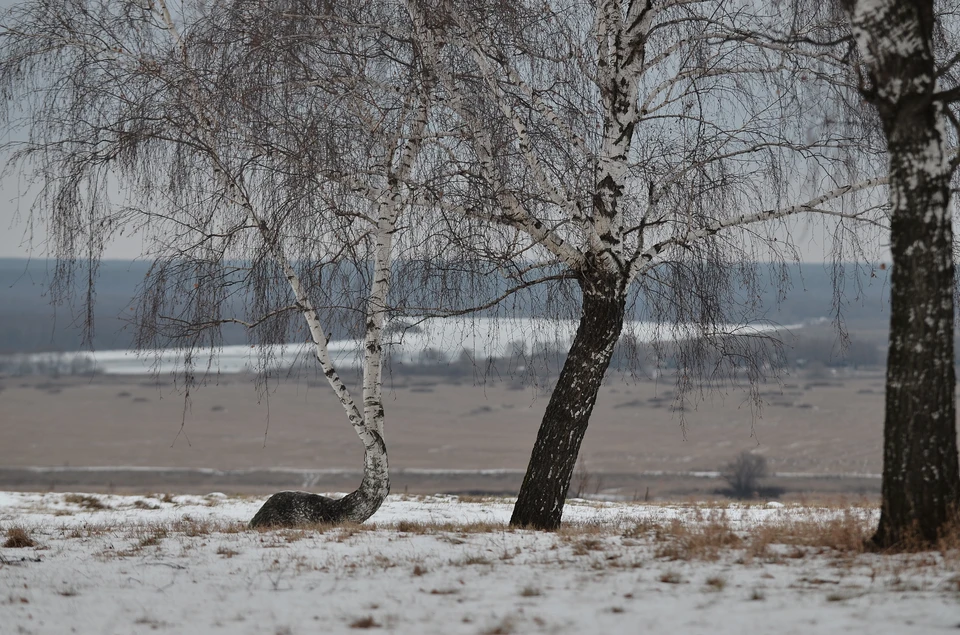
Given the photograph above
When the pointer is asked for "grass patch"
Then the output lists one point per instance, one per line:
(670, 577)
(19, 538)
(478, 527)
(716, 583)
(85, 501)
(227, 552)
(685, 541)
(474, 559)
(365, 622)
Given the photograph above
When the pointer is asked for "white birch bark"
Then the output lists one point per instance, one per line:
(297, 508)
(377, 306)
(921, 477)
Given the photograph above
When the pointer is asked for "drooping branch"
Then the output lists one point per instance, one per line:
(644, 260)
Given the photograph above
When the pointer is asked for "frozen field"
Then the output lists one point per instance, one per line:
(187, 564)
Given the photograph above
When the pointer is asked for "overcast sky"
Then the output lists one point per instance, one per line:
(19, 240)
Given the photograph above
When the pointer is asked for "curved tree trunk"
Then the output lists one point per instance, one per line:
(921, 483)
(291, 509)
(554, 457)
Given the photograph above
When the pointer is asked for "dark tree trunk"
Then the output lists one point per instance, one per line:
(921, 483)
(554, 457)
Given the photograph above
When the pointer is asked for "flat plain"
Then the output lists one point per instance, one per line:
(820, 432)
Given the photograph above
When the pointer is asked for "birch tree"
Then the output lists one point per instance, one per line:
(222, 148)
(644, 148)
(907, 70)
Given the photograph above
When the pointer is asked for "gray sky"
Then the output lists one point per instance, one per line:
(812, 237)
(16, 240)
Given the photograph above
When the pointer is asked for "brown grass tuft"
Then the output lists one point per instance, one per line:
(671, 577)
(192, 527)
(85, 501)
(474, 559)
(716, 583)
(365, 622)
(846, 534)
(682, 541)
(19, 538)
(505, 627)
(226, 552)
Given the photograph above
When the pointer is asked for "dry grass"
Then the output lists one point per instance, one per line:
(85, 501)
(478, 527)
(192, 527)
(19, 538)
(716, 583)
(682, 541)
(709, 537)
(365, 622)
(586, 545)
(472, 560)
(504, 627)
(87, 530)
(671, 577)
(227, 552)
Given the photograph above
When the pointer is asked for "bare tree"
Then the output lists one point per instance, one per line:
(228, 136)
(636, 149)
(744, 473)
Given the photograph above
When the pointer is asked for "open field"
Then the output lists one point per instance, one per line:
(188, 564)
(820, 433)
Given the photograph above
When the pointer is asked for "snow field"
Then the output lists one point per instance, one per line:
(187, 564)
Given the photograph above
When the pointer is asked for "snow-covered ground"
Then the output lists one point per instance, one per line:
(187, 564)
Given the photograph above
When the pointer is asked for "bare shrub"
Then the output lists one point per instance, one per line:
(744, 473)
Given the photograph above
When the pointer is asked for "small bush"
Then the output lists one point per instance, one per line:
(744, 473)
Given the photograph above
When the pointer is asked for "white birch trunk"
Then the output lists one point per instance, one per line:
(294, 508)
(921, 479)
